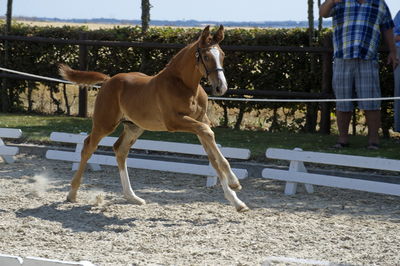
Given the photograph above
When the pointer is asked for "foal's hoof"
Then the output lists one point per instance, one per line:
(235, 187)
(71, 197)
(136, 200)
(242, 208)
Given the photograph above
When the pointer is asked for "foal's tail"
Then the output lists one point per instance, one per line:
(81, 77)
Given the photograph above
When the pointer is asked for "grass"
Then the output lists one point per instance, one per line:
(37, 129)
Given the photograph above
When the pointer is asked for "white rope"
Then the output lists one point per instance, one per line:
(223, 98)
(303, 100)
(42, 77)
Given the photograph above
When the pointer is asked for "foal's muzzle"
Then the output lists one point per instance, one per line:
(219, 85)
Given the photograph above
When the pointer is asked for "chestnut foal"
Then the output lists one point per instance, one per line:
(173, 100)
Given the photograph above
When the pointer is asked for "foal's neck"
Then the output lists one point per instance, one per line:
(184, 66)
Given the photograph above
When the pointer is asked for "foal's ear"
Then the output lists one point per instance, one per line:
(205, 38)
(219, 35)
(206, 31)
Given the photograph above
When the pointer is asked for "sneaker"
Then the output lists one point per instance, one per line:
(373, 146)
(339, 145)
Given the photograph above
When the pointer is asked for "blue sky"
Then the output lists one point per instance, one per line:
(218, 10)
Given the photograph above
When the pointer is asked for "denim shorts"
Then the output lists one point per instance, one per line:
(356, 78)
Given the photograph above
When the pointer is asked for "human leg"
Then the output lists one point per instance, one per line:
(342, 83)
(397, 94)
(373, 118)
(343, 123)
(368, 86)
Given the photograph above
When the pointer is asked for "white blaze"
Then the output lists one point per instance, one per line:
(221, 76)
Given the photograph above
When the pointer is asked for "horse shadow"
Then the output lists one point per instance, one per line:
(80, 218)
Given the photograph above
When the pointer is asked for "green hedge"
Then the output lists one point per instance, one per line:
(244, 70)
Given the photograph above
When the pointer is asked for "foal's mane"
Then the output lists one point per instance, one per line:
(178, 55)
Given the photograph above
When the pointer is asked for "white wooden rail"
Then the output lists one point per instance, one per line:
(150, 145)
(7, 152)
(8, 260)
(297, 172)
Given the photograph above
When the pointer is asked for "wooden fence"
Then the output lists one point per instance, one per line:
(83, 43)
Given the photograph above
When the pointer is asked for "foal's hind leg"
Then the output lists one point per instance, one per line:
(121, 147)
(89, 146)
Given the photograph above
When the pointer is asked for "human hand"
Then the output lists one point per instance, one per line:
(326, 7)
(393, 60)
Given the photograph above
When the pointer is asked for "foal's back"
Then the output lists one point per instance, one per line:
(132, 96)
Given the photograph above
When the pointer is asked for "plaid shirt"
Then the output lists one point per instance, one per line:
(357, 28)
(397, 26)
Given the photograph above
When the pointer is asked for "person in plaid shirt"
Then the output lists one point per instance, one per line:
(357, 28)
(397, 74)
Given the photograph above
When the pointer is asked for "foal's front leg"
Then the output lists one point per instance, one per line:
(227, 178)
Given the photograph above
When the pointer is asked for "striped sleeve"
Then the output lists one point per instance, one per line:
(333, 11)
(387, 22)
(397, 24)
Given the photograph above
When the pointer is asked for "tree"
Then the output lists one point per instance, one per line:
(319, 19)
(9, 15)
(146, 6)
(4, 90)
(312, 109)
(145, 15)
(310, 22)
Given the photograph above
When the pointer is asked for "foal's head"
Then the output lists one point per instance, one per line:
(210, 59)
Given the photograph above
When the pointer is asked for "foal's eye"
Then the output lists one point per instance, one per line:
(206, 58)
